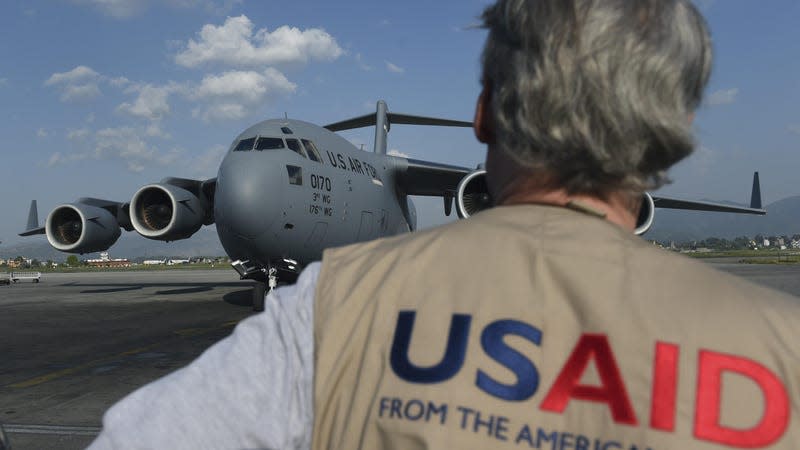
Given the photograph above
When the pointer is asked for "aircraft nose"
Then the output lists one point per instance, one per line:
(248, 198)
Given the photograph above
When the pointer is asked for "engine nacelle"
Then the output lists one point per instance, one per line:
(646, 215)
(166, 213)
(81, 228)
(473, 194)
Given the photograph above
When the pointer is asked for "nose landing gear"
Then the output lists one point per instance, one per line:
(267, 278)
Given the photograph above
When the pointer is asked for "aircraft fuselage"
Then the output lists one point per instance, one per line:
(288, 184)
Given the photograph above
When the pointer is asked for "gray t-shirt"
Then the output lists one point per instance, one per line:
(253, 389)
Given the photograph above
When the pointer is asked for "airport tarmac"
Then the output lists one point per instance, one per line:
(74, 344)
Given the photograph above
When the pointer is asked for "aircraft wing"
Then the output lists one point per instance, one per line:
(170, 210)
(677, 203)
(416, 177)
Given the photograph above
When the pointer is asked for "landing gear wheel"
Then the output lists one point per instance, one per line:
(259, 292)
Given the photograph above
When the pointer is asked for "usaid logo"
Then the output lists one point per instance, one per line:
(612, 391)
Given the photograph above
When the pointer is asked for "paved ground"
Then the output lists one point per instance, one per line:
(76, 343)
(782, 277)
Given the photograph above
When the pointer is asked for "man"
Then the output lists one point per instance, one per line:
(576, 334)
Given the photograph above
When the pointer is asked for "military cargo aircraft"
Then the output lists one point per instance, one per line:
(288, 189)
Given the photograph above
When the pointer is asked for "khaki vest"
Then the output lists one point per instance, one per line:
(542, 327)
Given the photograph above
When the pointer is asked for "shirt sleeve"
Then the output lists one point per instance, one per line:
(253, 389)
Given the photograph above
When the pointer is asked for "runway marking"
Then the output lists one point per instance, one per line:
(69, 371)
(189, 332)
(63, 430)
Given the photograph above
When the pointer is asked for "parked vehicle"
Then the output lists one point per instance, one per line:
(33, 276)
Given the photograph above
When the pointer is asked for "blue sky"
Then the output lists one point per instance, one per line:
(99, 97)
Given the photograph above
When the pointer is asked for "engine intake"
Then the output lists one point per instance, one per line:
(473, 194)
(81, 228)
(646, 215)
(166, 213)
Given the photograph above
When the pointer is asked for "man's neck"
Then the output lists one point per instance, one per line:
(617, 207)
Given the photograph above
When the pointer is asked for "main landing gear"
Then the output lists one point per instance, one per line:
(266, 278)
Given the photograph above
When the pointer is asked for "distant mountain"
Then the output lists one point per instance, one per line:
(130, 245)
(783, 217)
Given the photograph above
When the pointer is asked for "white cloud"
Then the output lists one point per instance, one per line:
(58, 158)
(119, 82)
(78, 135)
(151, 103)
(236, 44)
(55, 159)
(794, 128)
(722, 97)
(393, 68)
(237, 94)
(127, 145)
(80, 83)
(80, 92)
(208, 162)
(41, 133)
(76, 75)
(155, 130)
(395, 152)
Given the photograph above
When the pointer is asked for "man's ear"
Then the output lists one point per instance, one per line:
(483, 123)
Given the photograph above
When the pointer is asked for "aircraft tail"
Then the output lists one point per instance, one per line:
(755, 196)
(382, 119)
(33, 222)
(381, 127)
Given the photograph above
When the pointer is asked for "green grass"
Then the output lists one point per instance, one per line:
(744, 254)
(139, 268)
(764, 256)
(781, 259)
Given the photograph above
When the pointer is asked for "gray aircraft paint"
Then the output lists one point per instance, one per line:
(349, 196)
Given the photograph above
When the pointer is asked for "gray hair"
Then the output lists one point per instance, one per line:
(597, 93)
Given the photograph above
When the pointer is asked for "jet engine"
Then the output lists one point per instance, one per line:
(81, 228)
(166, 213)
(473, 194)
(646, 215)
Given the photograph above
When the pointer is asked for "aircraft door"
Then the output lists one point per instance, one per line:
(366, 229)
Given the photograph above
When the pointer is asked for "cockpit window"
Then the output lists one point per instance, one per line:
(294, 146)
(313, 153)
(268, 143)
(295, 175)
(245, 145)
